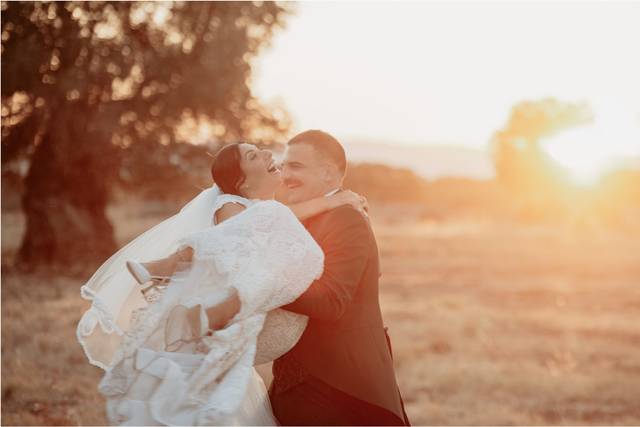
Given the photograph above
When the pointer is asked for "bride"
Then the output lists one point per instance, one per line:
(182, 351)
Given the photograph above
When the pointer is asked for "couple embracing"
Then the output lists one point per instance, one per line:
(237, 279)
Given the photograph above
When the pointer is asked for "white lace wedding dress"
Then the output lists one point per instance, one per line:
(267, 256)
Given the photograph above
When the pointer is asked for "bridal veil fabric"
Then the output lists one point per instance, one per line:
(114, 293)
(263, 253)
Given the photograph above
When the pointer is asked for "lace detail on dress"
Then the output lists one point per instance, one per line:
(269, 258)
(281, 331)
(274, 241)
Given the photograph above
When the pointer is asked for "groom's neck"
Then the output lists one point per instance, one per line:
(332, 186)
(325, 191)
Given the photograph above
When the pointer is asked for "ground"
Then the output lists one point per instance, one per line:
(491, 324)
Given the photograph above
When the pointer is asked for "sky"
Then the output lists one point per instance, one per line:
(449, 73)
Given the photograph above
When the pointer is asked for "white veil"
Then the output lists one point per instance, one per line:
(113, 291)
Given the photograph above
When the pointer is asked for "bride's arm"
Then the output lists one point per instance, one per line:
(227, 211)
(309, 208)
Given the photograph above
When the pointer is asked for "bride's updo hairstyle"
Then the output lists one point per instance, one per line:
(226, 171)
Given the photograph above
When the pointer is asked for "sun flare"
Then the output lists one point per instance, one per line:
(582, 153)
(588, 152)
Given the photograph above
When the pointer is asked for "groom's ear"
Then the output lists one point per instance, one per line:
(327, 172)
(331, 172)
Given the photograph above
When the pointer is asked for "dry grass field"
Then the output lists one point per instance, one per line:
(491, 324)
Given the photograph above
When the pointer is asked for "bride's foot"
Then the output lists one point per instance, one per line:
(141, 273)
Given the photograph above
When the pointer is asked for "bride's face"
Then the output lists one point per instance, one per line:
(262, 177)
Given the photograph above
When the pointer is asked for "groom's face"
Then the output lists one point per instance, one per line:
(305, 174)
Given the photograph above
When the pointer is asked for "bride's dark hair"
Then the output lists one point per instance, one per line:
(226, 171)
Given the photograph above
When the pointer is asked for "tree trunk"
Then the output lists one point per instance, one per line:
(66, 194)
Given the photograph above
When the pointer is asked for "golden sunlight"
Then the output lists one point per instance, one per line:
(588, 152)
(582, 153)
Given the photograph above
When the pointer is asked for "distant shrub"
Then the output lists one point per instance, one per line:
(384, 183)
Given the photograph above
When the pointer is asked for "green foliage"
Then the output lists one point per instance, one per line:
(84, 82)
(384, 183)
(137, 70)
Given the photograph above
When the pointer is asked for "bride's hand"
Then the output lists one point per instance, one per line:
(348, 197)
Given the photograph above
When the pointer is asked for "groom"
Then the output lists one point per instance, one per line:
(341, 370)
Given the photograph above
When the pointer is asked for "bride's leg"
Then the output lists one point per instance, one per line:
(167, 266)
(182, 258)
(219, 315)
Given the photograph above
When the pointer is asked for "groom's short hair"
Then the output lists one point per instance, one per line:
(324, 144)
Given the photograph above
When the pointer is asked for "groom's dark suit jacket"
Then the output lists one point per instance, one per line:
(345, 344)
